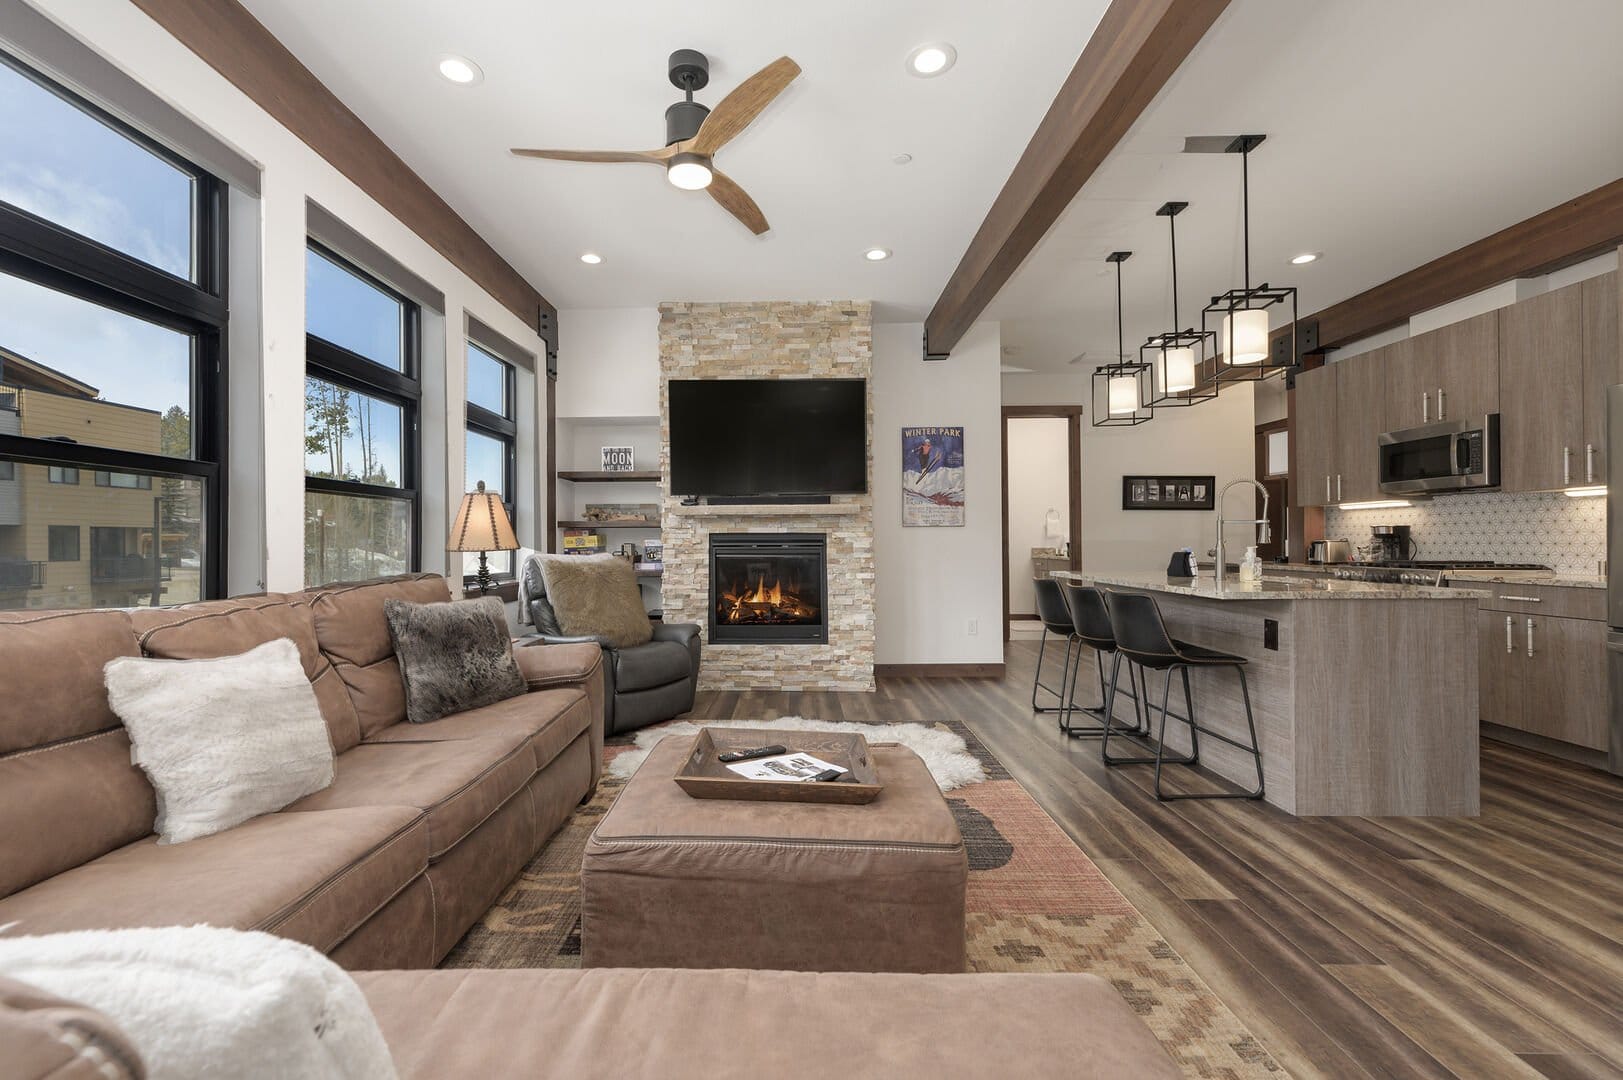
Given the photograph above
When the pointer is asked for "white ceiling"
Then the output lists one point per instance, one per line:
(818, 161)
(1397, 132)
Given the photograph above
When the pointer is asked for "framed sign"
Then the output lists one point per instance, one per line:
(617, 459)
(932, 476)
(1169, 493)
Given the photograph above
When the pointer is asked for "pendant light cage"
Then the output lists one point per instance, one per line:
(1121, 388)
(1240, 318)
(1181, 360)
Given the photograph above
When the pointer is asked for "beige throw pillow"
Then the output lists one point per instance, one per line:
(222, 740)
(596, 596)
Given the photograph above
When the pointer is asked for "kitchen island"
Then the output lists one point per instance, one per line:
(1364, 694)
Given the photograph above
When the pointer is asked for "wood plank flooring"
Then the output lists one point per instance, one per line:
(1352, 947)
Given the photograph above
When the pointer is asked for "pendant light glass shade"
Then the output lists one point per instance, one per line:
(1123, 395)
(1245, 337)
(1179, 368)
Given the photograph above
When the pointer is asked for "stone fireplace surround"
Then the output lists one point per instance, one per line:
(774, 339)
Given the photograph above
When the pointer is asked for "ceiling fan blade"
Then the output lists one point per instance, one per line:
(736, 201)
(743, 105)
(652, 157)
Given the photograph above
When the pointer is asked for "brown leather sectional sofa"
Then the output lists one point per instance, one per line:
(422, 828)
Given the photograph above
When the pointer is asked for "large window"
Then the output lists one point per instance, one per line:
(112, 358)
(361, 394)
(491, 453)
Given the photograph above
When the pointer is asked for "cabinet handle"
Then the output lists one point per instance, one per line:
(1529, 637)
(1327, 497)
(1338, 487)
(1442, 405)
(1425, 406)
(1589, 463)
(1566, 465)
(1525, 599)
(1510, 643)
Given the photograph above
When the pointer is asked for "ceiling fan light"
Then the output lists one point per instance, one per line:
(1245, 337)
(688, 171)
(1180, 370)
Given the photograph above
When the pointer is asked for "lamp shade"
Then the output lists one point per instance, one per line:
(481, 524)
(1123, 395)
(1180, 370)
(1245, 336)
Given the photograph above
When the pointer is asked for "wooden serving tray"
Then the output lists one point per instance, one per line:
(703, 777)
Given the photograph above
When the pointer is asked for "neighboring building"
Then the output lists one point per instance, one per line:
(77, 537)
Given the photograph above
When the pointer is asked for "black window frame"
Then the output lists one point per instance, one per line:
(351, 371)
(482, 421)
(51, 533)
(40, 251)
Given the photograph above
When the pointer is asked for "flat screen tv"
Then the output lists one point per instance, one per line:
(768, 438)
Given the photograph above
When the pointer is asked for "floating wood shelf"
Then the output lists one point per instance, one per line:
(836, 509)
(644, 476)
(644, 523)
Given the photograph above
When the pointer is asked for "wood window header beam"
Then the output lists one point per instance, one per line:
(1136, 47)
(230, 40)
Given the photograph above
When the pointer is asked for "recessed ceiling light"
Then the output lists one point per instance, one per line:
(591, 258)
(901, 159)
(461, 70)
(876, 254)
(928, 61)
(1305, 257)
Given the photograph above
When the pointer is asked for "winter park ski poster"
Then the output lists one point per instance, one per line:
(933, 476)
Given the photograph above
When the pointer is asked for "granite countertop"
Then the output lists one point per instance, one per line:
(1269, 588)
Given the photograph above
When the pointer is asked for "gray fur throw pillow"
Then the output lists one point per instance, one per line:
(453, 657)
(596, 596)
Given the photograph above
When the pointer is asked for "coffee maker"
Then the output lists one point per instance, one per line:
(1391, 544)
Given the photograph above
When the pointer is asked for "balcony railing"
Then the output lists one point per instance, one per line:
(125, 570)
(21, 574)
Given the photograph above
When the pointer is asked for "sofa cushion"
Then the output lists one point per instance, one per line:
(227, 627)
(457, 785)
(453, 657)
(351, 630)
(707, 1025)
(647, 666)
(310, 877)
(53, 662)
(548, 719)
(49, 1038)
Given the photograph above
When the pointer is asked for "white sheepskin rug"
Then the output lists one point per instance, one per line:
(948, 759)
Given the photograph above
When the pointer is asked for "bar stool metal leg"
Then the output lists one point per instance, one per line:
(1107, 695)
(1195, 731)
(1037, 679)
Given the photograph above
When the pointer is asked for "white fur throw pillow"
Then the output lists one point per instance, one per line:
(222, 740)
(205, 1002)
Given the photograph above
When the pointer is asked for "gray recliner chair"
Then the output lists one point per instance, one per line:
(645, 684)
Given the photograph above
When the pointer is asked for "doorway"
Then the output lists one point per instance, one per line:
(1042, 502)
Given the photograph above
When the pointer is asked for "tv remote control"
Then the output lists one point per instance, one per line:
(747, 755)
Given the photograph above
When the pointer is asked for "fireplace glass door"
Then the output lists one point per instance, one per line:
(768, 588)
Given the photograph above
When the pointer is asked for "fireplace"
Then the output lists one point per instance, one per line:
(768, 588)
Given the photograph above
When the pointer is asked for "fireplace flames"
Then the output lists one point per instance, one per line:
(761, 604)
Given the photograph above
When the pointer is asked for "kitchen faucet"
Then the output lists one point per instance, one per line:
(1222, 522)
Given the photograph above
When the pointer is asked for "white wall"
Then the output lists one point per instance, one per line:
(932, 583)
(1216, 438)
(1039, 481)
(608, 362)
(272, 293)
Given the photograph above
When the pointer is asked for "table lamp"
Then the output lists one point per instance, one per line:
(481, 525)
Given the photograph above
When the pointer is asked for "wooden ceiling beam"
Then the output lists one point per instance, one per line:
(1136, 47)
(1571, 232)
(231, 41)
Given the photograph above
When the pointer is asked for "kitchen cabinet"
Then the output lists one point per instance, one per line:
(1360, 419)
(1541, 387)
(1542, 674)
(1450, 373)
(1603, 367)
(1315, 436)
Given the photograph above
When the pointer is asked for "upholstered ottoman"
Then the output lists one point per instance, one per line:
(673, 881)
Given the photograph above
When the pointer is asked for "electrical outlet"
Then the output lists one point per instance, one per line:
(974, 627)
(1270, 634)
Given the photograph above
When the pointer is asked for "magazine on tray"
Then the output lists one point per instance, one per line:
(791, 767)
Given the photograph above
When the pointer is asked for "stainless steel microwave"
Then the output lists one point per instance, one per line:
(1450, 455)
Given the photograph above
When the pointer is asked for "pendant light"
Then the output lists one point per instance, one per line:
(1246, 352)
(1180, 359)
(1120, 388)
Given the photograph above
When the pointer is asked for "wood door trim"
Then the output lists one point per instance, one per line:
(1073, 445)
(230, 40)
(1134, 50)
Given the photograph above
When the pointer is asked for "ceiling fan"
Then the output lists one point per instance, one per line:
(694, 133)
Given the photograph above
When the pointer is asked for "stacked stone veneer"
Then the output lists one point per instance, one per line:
(780, 339)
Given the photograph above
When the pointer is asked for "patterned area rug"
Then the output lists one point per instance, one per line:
(1035, 903)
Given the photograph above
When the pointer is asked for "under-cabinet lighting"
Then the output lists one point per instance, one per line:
(1375, 504)
(1584, 492)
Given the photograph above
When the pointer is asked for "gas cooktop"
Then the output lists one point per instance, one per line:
(1455, 564)
(1429, 572)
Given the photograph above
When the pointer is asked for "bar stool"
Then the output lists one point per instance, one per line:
(1090, 626)
(1141, 636)
(1056, 619)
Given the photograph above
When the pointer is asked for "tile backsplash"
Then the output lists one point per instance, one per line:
(1568, 535)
